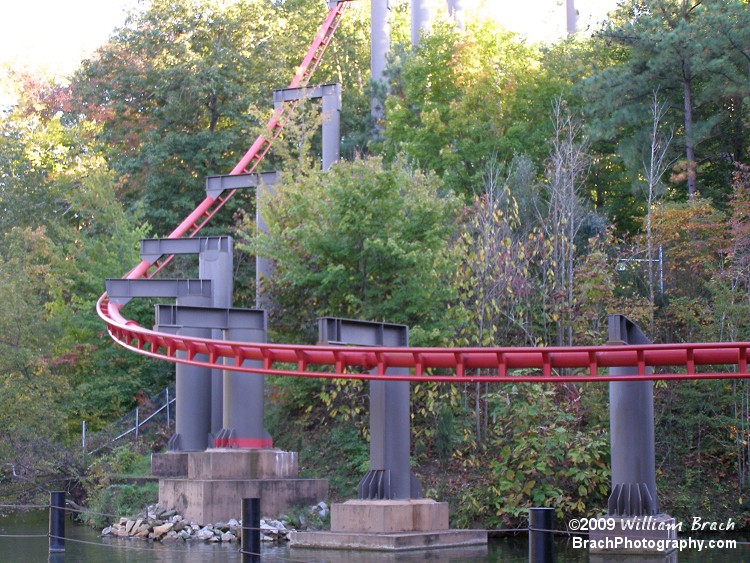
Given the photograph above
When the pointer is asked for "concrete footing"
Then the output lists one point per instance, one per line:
(217, 480)
(443, 555)
(242, 464)
(389, 525)
(404, 541)
(389, 516)
(170, 464)
(207, 501)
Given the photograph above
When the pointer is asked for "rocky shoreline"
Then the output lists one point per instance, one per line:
(160, 524)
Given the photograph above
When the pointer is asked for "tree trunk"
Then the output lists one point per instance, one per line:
(213, 107)
(687, 87)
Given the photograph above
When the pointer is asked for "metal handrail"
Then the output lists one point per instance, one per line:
(135, 428)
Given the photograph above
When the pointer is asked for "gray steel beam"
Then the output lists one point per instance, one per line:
(420, 19)
(631, 419)
(212, 317)
(390, 475)
(242, 423)
(283, 95)
(338, 331)
(331, 94)
(456, 11)
(215, 185)
(192, 387)
(215, 260)
(121, 291)
(154, 248)
(380, 46)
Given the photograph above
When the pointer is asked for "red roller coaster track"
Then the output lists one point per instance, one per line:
(561, 364)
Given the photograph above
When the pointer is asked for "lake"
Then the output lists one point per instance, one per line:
(83, 545)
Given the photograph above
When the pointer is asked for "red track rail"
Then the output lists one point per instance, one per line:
(499, 365)
(678, 361)
(202, 214)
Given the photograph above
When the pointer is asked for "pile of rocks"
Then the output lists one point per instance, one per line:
(174, 528)
(159, 524)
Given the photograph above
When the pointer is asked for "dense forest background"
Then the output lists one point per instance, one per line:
(512, 194)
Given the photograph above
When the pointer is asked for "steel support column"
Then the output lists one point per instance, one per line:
(331, 95)
(390, 475)
(571, 17)
(456, 11)
(263, 184)
(331, 127)
(243, 397)
(192, 389)
(215, 263)
(380, 46)
(631, 419)
(263, 266)
(420, 20)
(243, 393)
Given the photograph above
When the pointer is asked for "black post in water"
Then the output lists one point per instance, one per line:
(541, 546)
(251, 530)
(56, 521)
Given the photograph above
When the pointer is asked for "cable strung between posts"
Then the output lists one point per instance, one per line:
(91, 512)
(104, 545)
(26, 506)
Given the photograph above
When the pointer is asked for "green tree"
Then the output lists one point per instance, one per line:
(496, 279)
(672, 46)
(28, 336)
(62, 216)
(360, 241)
(36, 147)
(692, 238)
(171, 90)
(562, 211)
(538, 455)
(97, 239)
(31, 398)
(458, 98)
(732, 284)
